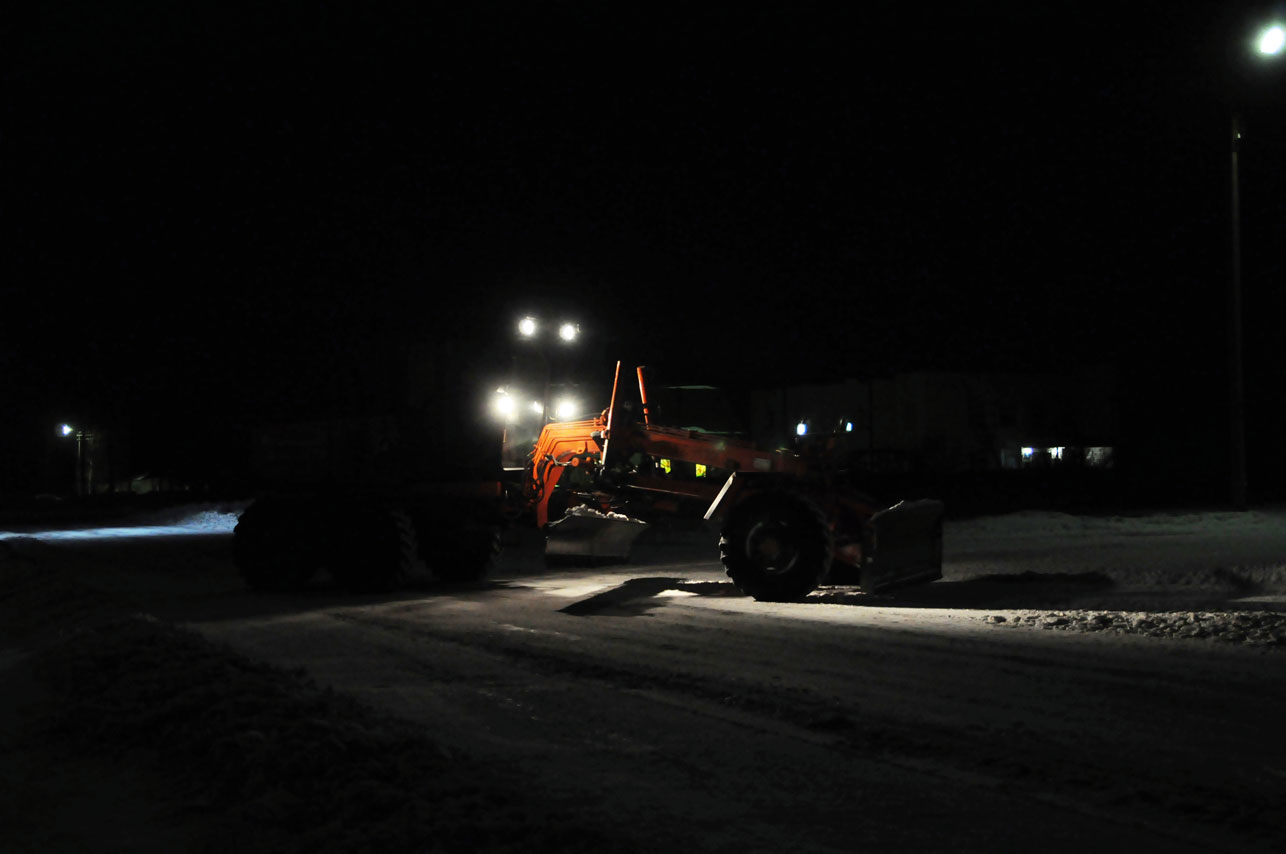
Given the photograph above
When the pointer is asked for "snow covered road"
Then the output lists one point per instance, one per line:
(1041, 694)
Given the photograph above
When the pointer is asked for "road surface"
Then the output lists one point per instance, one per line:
(970, 714)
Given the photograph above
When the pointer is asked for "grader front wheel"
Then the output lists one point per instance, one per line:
(776, 546)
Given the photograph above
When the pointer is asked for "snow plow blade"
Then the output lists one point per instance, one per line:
(590, 536)
(906, 546)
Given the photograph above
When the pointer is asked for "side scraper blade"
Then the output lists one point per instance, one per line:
(907, 547)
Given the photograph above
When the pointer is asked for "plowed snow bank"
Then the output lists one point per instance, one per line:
(312, 769)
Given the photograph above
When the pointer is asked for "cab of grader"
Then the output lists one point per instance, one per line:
(789, 521)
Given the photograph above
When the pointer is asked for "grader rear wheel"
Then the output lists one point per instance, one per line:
(465, 553)
(378, 551)
(776, 546)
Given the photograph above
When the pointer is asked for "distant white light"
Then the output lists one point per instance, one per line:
(65, 429)
(568, 332)
(1056, 453)
(1272, 40)
(848, 426)
(801, 429)
(1028, 453)
(527, 327)
(537, 407)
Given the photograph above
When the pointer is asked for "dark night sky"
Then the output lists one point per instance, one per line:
(215, 211)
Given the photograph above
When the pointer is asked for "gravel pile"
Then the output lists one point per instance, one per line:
(1250, 628)
(288, 765)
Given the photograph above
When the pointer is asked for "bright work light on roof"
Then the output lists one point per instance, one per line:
(568, 332)
(527, 327)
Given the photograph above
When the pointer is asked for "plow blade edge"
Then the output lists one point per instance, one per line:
(907, 547)
(589, 536)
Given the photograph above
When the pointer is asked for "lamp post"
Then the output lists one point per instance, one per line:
(1270, 44)
(66, 430)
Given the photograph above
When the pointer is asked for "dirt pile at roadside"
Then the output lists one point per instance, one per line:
(288, 765)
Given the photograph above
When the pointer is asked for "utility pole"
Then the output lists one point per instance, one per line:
(1236, 372)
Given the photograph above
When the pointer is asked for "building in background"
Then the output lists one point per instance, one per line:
(932, 421)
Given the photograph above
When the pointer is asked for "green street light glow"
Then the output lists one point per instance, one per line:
(1272, 40)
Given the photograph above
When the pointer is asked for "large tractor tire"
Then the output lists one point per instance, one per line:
(274, 546)
(377, 552)
(776, 546)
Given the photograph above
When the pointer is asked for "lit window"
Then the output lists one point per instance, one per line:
(1055, 453)
(665, 465)
(701, 470)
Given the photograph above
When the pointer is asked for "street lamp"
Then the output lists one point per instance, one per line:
(66, 430)
(1272, 40)
(1270, 44)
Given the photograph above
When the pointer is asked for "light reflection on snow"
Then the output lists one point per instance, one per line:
(572, 590)
(203, 523)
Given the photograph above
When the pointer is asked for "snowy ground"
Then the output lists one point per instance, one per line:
(1072, 682)
(1218, 575)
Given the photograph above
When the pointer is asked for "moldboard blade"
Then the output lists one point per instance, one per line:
(590, 536)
